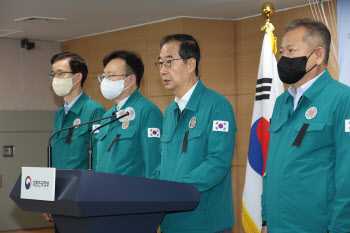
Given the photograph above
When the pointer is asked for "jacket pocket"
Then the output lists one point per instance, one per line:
(274, 127)
(81, 130)
(101, 135)
(317, 139)
(194, 133)
(126, 133)
(314, 126)
(166, 137)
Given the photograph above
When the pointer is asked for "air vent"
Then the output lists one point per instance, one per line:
(38, 19)
(4, 33)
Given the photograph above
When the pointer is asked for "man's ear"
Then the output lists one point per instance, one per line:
(132, 79)
(191, 64)
(79, 77)
(320, 55)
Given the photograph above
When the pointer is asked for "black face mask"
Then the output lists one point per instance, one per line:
(291, 70)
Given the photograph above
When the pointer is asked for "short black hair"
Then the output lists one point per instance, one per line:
(314, 29)
(189, 47)
(134, 64)
(76, 63)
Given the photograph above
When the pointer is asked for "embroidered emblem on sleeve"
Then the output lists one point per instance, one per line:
(220, 126)
(347, 125)
(153, 133)
(95, 126)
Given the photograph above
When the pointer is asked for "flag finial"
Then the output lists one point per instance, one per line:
(268, 10)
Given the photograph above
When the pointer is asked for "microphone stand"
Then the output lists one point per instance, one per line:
(49, 148)
(129, 112)
(90, 141)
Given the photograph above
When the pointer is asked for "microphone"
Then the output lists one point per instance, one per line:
(131, 114)
(124, 115)
(49, 148)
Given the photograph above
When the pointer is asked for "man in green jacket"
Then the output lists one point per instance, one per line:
(306, 188)
(129, 146)
(70, 148)
(198, 140)
(70, 151)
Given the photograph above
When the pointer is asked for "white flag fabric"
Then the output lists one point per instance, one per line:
(268, 88)
(344, 40)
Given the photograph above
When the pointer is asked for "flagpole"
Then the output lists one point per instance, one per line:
(268, 88)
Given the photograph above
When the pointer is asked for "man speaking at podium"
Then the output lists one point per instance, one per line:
(70, 148)
(129, 146)
(198, 140)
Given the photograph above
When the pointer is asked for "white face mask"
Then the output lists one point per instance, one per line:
(112, 89)
(62, 86)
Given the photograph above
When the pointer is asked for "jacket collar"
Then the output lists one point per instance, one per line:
(130, 102)
(315, 89)
(193, 102)
(78, 105)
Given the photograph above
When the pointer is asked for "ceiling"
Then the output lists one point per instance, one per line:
(88, 17)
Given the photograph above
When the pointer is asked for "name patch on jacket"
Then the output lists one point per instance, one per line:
(96, 126)
(153, 133)
(220, 126)
(347, 125)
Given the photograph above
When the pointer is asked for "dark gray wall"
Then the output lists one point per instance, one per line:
(28, 131)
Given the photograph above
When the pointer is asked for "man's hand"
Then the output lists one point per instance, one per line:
(48, 217)
(264, 229)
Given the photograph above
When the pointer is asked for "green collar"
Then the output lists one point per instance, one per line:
(77, 106)
(132, 99)
(318, 86)
(315, 89)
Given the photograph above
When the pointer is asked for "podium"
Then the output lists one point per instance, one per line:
(96, 202)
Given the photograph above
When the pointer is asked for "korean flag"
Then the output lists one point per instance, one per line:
(153, 133)
(220, 126)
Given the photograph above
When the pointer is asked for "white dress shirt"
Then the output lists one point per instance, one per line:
(184, 100)
(121, 103)
(298, 93)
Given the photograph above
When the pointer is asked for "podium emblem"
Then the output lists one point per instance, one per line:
(28, 182)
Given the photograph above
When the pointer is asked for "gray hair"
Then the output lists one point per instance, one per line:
(314, 29)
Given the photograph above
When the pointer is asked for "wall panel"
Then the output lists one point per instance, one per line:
(28, 132)
(216, 38)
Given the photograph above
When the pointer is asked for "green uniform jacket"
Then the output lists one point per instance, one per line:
(74, 155)
(307, 188)
(136, 151)
(206, 161)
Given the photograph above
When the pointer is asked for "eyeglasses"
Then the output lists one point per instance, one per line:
(60, 74)
(109, 76)
(166, 64)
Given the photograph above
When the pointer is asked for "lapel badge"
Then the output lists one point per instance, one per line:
(76, 121)
(311, 113)
(125, 125)
(192, 123)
